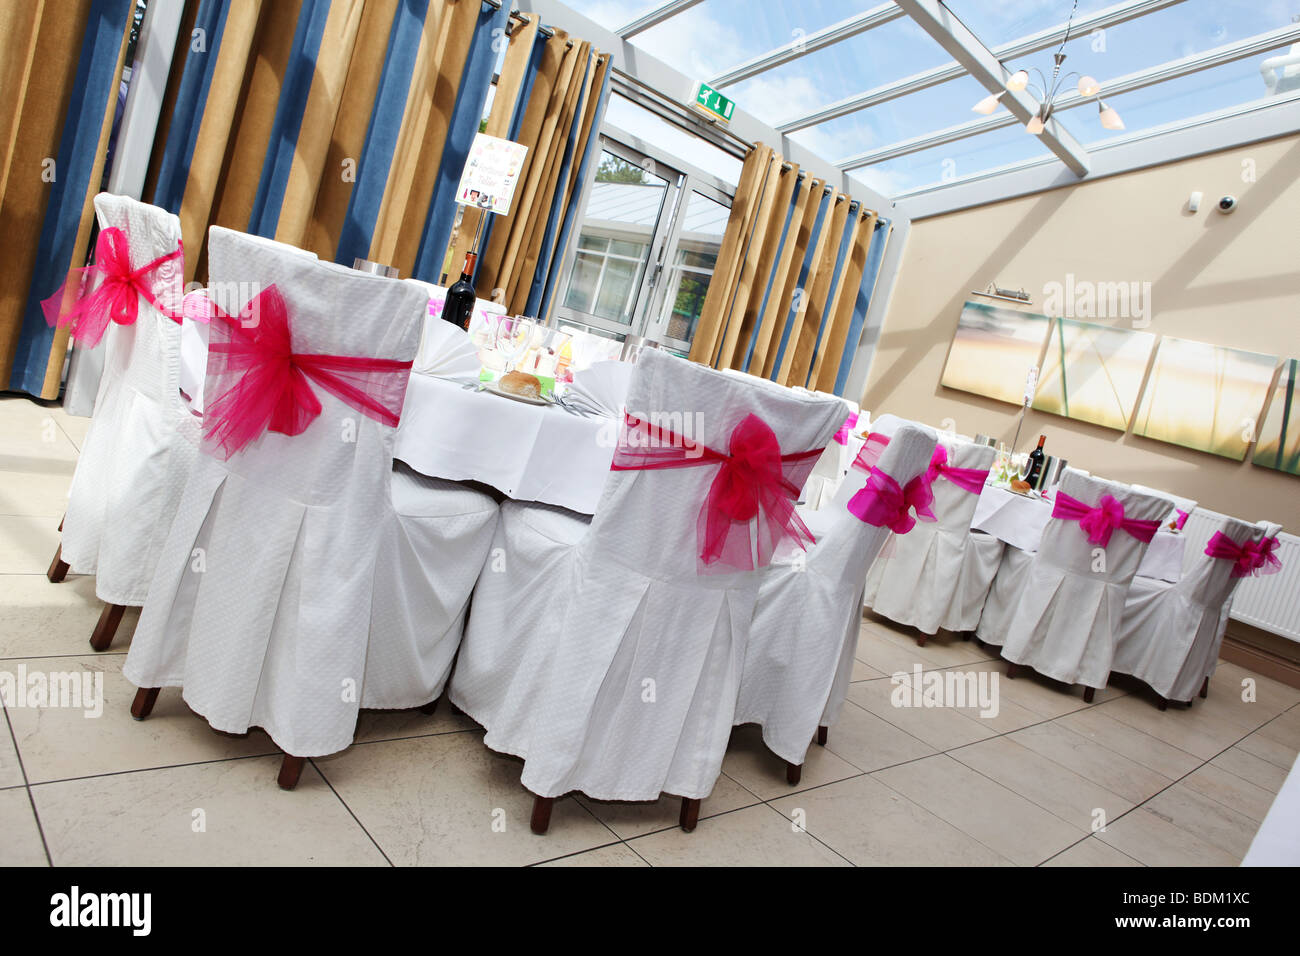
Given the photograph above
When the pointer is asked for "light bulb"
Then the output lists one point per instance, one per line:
(1018, 81)
(987, 105)
(1035, 125)
(1088, 86)
(1109, 118)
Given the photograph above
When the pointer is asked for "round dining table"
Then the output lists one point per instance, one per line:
(529, 452)
(1019, 520)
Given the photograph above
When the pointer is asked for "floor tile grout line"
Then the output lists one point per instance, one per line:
(1175, 783)
(1085, 840)
(27, 787)
(338, 796)
(567, 856)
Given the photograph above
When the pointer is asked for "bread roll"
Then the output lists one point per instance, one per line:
(521, 383)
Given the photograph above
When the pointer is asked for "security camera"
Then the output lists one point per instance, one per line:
(1228, 204)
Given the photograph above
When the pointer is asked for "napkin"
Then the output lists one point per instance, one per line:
(601, 389)
(447, 352)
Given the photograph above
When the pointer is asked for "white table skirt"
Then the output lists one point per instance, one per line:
(1019, 521)
(527, 452)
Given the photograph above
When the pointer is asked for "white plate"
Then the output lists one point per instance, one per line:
(518, 398)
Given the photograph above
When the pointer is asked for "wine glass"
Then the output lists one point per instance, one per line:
(513, 334)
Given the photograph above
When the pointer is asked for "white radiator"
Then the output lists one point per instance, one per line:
(1270, 602)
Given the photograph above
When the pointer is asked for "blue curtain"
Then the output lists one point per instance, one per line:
(871, 270)
(381, 136)
(92, 91)
(546, 279)
(466, 116)
(288, 117)
(191, 98)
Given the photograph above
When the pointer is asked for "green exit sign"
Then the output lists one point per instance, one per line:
(712, 103)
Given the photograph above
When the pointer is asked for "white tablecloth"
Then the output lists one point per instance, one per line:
(527, 452)
(1019, 521)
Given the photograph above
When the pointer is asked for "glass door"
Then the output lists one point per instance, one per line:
(644, 255)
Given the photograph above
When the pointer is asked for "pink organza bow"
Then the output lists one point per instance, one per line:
(842, 436)
(967, 479)
(883, 503)
(1181, 519)
(919, 490)
(749, 508)
(1244, 556)
(116, 289)
(1101, 521)
(1264, 560)
(262, 384)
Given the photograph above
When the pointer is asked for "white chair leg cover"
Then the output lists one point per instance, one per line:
(142, 440)
(434, 545)
(805, 631)
(261, 603)
(1003, 596)
(1072, 603)
(1171, 633)
(979, 566)
(494, 680)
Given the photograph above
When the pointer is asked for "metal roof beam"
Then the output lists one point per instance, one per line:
(964, 47)
(654, 17)
(1205, 60)
(1099, 20)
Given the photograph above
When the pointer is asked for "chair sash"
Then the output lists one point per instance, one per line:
(919, 492)
(1101, 521)
(116, 291)
(750, 505)
(260, 384)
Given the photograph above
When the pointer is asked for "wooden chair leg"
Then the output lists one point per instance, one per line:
(145, 698)
(793, 772)
(58, 567)
(429, 708)
(1205, 688)
(541, 820)
(109, 619)
(1088, 694)
(290, 771)
(822, 734)
(921, 639)
(690, 815)
(965, 635)
(1164, 704)
(1011, 670)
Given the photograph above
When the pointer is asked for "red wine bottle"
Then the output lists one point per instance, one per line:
(459, 307)
(1035, 463)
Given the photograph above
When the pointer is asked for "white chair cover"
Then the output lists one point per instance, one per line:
(934, 574)
(1003, 595)
(833, 465)
(809, 612)
(1186, 505)
(568, 641)
(141, 442)
(1072, 602)
(1171, 633)
(261, 604)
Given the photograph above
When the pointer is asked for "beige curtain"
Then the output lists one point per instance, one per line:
(247, 82)
(40, 44)
(759, 251)
(563, 97)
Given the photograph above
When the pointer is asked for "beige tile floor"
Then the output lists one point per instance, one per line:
(894, 785)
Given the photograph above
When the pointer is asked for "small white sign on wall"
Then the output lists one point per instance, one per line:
(491, 174)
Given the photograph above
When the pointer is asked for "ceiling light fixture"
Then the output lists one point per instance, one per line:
(1087, 86)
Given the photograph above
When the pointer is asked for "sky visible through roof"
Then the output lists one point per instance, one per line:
(713, 36)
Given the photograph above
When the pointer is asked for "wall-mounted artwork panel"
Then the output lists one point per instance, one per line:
(1279, 436)
(993, 349)
(1093, 373)
(1206, 397)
